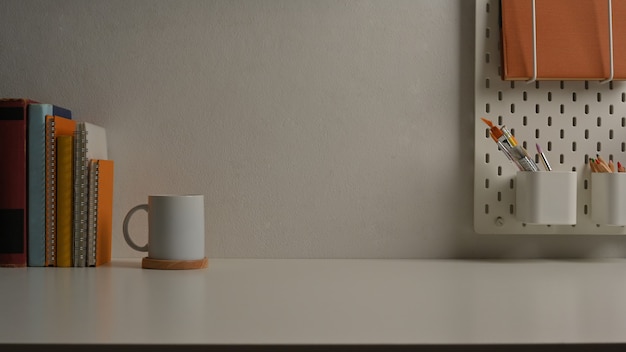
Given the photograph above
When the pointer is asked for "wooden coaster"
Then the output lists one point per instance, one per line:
(149, 263)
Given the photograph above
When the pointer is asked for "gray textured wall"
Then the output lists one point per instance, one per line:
(321, 129)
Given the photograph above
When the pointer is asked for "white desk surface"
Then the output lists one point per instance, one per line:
(293, 301)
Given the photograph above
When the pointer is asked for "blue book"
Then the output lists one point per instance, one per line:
(37, 179)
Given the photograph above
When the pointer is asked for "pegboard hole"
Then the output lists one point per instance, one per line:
(574, 96)
(486, 183)
(586, 134)
(599, 121)
(487, 158)
(486, 208)
(599, 97)
(573, 121)
(586, 184)
(573, 146)
(549, 96)
(487, 30)
(610, 134)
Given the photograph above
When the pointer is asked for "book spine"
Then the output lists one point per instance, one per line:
(37, 183)
(104, 211)
(50, 193)
(80, 196)
(13, 191)
(37, 155)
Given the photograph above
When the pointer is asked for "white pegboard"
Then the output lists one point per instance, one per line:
(571, 120)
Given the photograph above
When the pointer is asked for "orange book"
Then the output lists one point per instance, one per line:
(100, 218)
(572, 39)
(64, 200)
(55, 126)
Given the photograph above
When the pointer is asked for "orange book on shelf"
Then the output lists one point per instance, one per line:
(572, 38)
(100, 219)
(64, 199)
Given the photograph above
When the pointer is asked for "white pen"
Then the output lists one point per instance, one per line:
(543, 157)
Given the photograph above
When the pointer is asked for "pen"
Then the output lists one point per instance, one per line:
(509, 137)
(519, 153)
(543, 157)
(507, 143)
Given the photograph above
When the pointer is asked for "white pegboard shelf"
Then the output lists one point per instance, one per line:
(571, 120)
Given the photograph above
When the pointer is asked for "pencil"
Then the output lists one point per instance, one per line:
(602, 162)
(592, 165)
(601, 166)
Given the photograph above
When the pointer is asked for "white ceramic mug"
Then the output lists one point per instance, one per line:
(175, 227)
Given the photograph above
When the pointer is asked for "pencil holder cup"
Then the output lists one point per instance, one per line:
(546, 197)
(608, 198)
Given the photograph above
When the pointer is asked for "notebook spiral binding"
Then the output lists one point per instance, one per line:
(80, 208)
(50, 196)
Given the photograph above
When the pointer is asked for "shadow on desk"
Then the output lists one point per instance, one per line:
(320, 348)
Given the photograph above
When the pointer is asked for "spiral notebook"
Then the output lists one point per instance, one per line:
(55, 126)
(37, 179)
(100, 213)
(89, 143)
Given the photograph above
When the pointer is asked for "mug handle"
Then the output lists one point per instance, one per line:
(126, 235)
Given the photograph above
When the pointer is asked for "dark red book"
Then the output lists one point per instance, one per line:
(13, 187)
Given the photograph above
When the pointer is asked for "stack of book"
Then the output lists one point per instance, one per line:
(56, 188)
